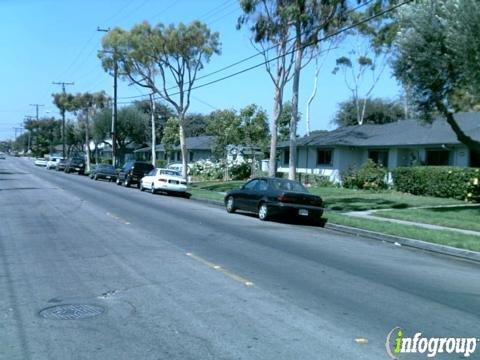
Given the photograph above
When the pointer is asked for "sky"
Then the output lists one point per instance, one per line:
(45, 41)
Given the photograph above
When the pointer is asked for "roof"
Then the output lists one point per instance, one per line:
(193, 143)
(400, 133)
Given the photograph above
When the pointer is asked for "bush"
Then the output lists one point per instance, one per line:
(161, 164)
(439, 181)
(371, 176)
(240, 171)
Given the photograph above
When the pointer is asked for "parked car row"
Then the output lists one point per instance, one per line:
(266, 196)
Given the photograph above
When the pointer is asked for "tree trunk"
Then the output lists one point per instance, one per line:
(312, 96)
(277, 110)
(468, 141)
(292, 167)
(87, 142)
(154, 142)
(183, 146)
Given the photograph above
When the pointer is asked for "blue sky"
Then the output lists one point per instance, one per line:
(43, 41)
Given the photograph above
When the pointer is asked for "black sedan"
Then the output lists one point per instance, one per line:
(61, 165)
(103, 171)
(75, 165)
(275, 196)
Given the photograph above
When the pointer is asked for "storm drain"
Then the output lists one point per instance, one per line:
(72, 312)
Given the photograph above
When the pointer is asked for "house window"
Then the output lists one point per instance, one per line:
(172, 156)
(286, 157)
(474, 158)
(379, 156)
(438, 157)
(190, 156)
(324, 157)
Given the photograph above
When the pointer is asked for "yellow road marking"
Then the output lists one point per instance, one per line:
(224, 271)
(361, 341)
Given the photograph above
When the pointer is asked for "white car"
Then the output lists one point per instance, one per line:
(52, 163)
(163, 180)
(2, 155)
(40, 162)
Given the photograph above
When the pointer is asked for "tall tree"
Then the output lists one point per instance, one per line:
(271, 28)
(173, 53)
(254, 130)
(224, 125)
(304, 21)
(44, 134)
(436, 56)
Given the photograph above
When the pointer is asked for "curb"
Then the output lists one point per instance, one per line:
(417, 244)
(398, 240)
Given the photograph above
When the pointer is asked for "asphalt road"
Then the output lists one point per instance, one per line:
(179, 279)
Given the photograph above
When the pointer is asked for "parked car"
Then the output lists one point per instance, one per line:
(132, 172)
(103, 171)
(52, 163)
(40, 162)
(164, 180)
(178, 167)
(2, 155)
(269, 197)
(75, 165)
(61, 165)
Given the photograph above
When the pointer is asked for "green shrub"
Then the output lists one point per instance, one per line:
(370, 176)
(241, 171)
(439, 181)
(161, 163)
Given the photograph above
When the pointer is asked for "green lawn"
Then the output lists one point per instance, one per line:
(449, 238)
(458, 217)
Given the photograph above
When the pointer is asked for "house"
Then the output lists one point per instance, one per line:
(199, 148)
(402, 143)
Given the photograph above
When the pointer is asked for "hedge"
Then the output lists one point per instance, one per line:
(439, 181)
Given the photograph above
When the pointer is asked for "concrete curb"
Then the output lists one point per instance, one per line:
(412, 243)
(417, 244)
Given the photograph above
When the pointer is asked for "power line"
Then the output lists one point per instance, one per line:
(259, 53)
(263, 63)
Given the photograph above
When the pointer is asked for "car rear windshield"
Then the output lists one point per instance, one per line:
(105, 167)
(169, 172)
(288, 185)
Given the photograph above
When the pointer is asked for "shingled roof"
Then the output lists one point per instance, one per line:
(400, 133)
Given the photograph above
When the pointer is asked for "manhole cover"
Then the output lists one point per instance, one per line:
(71, 312)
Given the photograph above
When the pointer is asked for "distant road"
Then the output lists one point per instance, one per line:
(173, 278)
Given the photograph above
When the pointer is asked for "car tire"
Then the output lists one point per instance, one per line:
(230, 204)
(119, 182)
(95, 177)
(126, 183)
(263, 212)
(152, 189)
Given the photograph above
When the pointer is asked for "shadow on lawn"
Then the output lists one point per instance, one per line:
(458, 208)
(362, 204)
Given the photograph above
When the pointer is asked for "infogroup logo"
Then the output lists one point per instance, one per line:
(397, 343)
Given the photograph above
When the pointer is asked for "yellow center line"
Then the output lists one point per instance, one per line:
(224, 271)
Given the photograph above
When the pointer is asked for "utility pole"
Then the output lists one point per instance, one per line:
(37, 106)
(114, 109)
(63, 84)
(154, 142)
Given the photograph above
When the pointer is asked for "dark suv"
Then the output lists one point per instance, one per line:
(75, 165)
(132, 172)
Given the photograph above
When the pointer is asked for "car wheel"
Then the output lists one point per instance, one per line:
(230, 204)
(263, 213)
(152, 189)
(126, 183)
(95, 177)
(119, 182)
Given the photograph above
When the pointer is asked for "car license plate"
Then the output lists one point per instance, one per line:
(303, 212)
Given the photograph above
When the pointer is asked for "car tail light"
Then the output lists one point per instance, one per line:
(285, 198)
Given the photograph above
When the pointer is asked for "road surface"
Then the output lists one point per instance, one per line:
(172, 278)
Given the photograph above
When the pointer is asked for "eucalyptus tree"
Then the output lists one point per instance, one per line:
(174, 55)
(87, 105)
(304, 22)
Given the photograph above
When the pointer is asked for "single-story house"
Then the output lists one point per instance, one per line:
(199, 148)
(402, 143)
